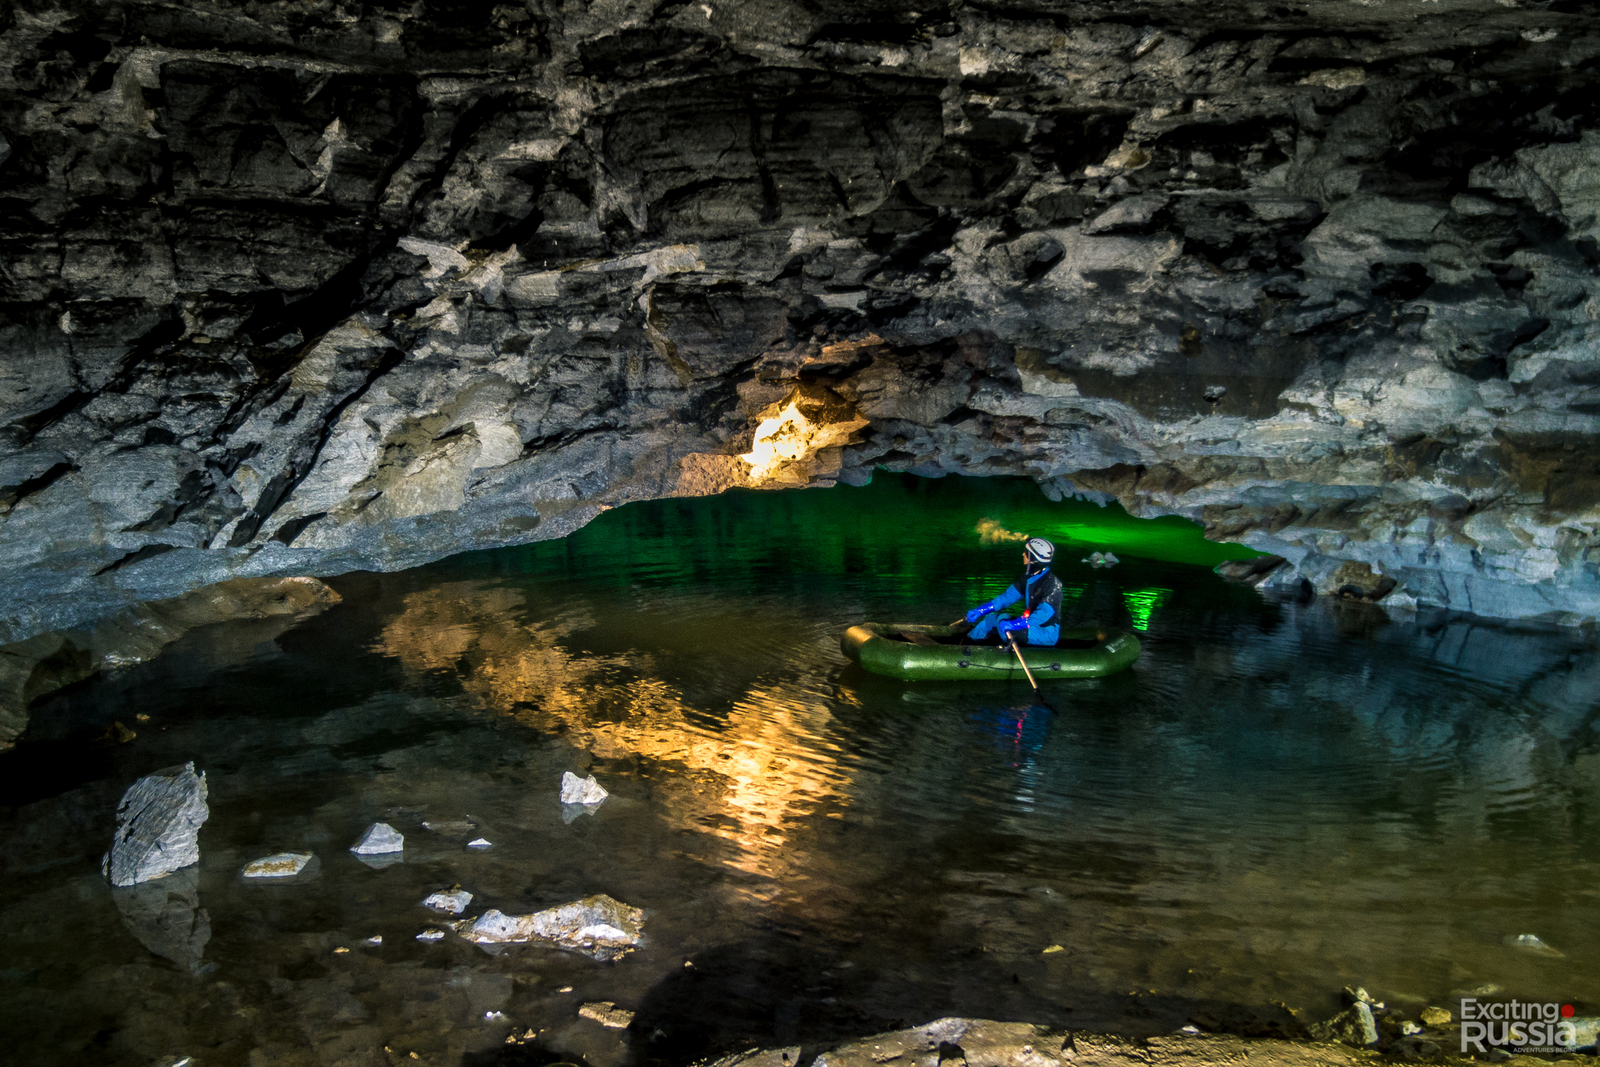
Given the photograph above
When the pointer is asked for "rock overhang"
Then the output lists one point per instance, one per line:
(303, 289)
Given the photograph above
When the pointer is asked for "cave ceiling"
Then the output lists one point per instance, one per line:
(302, 288)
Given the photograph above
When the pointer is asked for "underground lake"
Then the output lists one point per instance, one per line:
(1284, 796)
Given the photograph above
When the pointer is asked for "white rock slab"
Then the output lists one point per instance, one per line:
(454, 901)
(597, 926)
(480, 843)
(282, 865)
(158, 826)
(378, 839)
(575, 790)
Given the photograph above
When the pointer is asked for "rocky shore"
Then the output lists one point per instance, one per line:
(986, 1043)
(302, 287)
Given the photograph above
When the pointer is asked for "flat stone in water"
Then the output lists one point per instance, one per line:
(607, 1014)
(282, 865)
(480, 843)
(454, 901)
(596, 926)
(379, 838)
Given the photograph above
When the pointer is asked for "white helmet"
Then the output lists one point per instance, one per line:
(1039, 550)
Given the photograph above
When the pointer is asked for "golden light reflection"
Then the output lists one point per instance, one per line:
(742, 782)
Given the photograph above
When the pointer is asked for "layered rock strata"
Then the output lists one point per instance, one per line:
(303, 287)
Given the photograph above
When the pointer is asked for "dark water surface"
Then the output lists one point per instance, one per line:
(1279, 799)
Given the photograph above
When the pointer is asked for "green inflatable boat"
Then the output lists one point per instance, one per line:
(940, 653)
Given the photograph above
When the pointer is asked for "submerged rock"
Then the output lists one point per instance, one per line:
(596, 926)
(1435, 1016)
(480, 843)
(158, 826)
(1534, 944)
(575, 790)
(380, 838)
(281, 865)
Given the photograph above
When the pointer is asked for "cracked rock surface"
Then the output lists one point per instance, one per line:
(305, 287)
(158, 826)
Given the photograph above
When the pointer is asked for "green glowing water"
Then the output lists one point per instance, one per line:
(898, 525)
(915, 536)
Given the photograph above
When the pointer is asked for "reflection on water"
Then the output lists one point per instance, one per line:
(1279, 799)
(1142, 604)
(615, 708)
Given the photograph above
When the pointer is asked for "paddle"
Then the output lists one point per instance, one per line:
(1036, 694)
(1023, 585)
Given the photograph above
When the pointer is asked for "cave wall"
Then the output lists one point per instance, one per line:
(295, 287)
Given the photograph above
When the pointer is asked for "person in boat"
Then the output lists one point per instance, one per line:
(1039, 594)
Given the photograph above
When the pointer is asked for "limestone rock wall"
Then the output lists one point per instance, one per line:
(303, 287)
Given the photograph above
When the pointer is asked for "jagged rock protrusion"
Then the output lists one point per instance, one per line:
(158, 826)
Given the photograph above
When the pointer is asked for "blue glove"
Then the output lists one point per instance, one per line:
(980, 611)
(1008, 627)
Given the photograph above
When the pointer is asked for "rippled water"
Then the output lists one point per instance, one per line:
(1279, 799)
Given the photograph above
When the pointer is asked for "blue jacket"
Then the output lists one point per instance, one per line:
(1044, 597)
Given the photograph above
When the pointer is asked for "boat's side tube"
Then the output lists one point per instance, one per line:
(870, 645)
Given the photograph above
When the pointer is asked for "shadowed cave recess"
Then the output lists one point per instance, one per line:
(294, 288)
